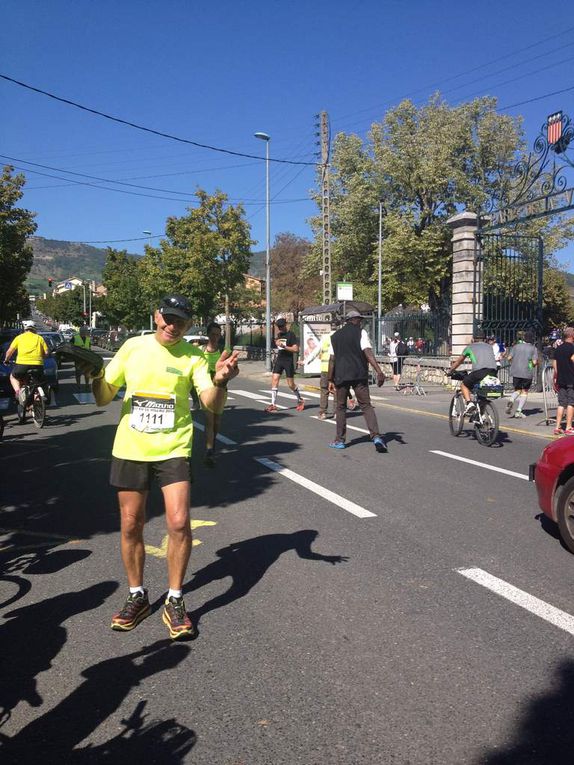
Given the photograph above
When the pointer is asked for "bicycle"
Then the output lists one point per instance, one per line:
(32, 399)
(484, 417)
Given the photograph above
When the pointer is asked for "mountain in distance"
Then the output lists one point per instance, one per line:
(59, 260)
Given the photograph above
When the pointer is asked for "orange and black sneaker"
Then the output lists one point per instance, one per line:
(300, 405)
(135, 610)
(176, 620)
(271, 408)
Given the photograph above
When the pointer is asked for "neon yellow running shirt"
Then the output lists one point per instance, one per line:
(155, 422)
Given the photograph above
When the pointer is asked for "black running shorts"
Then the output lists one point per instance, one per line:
(521, 383)
(286, 365)
(19, 371)
(473, 378)
(132, 475)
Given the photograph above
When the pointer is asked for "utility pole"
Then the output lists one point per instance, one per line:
(325, 135)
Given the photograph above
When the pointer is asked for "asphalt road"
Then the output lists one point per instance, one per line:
(352, 607)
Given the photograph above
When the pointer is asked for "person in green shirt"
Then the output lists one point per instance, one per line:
(153, 441)
(81, 340)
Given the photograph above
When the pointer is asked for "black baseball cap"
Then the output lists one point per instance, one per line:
(281, 322)
(175, 305)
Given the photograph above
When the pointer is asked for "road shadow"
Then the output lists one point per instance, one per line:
(545, 734)
(33, 636)
(551, 528)
(54, 736)
(246, 563)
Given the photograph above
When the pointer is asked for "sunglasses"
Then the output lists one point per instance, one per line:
(175, 303)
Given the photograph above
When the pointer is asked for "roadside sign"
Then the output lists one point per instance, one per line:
(68, 285)
(344, 291)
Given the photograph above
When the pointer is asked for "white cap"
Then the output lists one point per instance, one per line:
(397, 334)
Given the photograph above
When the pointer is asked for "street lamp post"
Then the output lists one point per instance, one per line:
(267, 138)
(380, 275)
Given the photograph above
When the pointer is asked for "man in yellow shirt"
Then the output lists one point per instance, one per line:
(154, 439)
(32, 350)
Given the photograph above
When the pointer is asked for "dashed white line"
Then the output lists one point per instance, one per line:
(255, 397)
(523, 599)
(330, 496)
(219, 437)
(512, 473)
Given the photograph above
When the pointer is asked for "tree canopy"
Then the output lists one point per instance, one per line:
(16, 225)
(424, 164)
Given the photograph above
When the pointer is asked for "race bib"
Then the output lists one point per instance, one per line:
(152, 412)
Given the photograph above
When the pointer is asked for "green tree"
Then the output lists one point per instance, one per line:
(125, 303)
(16, 257)
(293, 284)
(425, 164)
(205, 255)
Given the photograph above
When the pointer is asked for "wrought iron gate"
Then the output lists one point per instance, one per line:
(508, 284)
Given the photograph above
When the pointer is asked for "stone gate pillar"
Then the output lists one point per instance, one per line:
(464, 229)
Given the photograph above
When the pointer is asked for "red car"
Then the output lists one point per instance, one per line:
(554, 478)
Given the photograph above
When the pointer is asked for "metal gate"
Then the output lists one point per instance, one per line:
(508, 285)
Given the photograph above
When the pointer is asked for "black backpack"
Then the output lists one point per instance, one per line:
(402, 348)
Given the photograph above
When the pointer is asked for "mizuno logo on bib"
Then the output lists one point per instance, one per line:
(152, 412)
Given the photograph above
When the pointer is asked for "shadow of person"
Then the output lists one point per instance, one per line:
(52, 737)
(246, 563)
(33, 637)
(163, 741)
(55, 560)
(545, 735)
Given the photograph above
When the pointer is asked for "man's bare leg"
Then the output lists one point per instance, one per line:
(177, 497)
(132, 512)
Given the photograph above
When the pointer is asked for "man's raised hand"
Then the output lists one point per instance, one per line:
(226, 368)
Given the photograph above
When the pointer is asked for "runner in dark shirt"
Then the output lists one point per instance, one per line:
(563, 363)
(287, 348)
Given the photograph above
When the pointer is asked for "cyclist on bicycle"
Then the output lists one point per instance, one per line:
(32, 350)
(481, 356)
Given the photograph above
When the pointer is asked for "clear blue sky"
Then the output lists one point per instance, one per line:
(217, 72)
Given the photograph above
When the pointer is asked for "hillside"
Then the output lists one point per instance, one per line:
(59, 260)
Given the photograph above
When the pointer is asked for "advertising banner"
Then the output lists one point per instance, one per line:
(311, 346)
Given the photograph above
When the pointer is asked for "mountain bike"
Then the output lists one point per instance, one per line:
(32, 399)
(484, 417)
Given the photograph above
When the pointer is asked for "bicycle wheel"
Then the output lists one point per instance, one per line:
(486, 424)
(38, 410)
(456, 415)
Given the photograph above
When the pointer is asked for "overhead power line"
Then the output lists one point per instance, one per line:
(146, 129)
(535, 98)
(111, 180)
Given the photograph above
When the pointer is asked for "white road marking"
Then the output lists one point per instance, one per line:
(256, 397)
(531, 603)
(292, 395)
(316, 488)
(524, 476)
(219, 437)
(333, 422)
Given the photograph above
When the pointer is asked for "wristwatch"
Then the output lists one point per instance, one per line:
(220, 384)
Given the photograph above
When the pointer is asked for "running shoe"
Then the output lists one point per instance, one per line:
(569, 432)
(380, 445)
(300, 405)
(351, 404)
(558, 432)
(135, 610)
(176, 619)
(325, 416)
(209, 459)
(470, 408)
(509, 406)
(519, 415)
(271, 408)
(337, 445)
